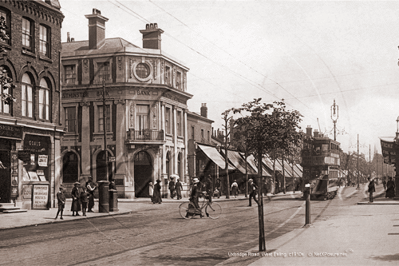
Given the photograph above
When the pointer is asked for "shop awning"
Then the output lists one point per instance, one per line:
(213, 154)
(269, 164)
(298, 170)
(236, 159)
(287, 167)
(251, 161)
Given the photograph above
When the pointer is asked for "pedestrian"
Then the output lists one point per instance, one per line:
(217, 188)
(178, 187)
(172, 187)
(371, 189)
(91, 187)
(209, 188)
(234, 188)
(390, 192)
(84, 199)
(157, 192)
(112, 185)
(195, 194)
(151, 191)
(384, 183)
(61, 202)
(75, 207)
(252, 191)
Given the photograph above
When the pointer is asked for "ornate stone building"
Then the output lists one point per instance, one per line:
(145, 110)
(30, 126)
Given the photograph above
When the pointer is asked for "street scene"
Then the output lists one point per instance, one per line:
(198, 132)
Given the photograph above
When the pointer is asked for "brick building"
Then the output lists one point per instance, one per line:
(30, 126)
(145, 110)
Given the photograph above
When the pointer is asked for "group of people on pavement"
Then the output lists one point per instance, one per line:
(175, 189)
(82, 198)
(389, 188)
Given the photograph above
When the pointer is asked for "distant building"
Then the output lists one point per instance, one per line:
(30, 127)
(146, 110)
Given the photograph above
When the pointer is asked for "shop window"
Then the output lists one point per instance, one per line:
(45, 40)
(70, 119)
(70, 74)
(28, 34)
(44, 100)
(27, 96)
(70, 168)
(5, 19)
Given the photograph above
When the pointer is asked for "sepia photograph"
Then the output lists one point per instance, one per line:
(204, 132)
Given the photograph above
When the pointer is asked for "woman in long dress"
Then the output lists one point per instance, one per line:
(151, 191)
(390, 193)
(75, 207)
(157, 193)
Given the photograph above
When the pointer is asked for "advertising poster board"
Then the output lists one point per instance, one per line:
(40, 196)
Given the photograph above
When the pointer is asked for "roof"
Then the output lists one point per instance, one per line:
(236, 159)
(213, 154)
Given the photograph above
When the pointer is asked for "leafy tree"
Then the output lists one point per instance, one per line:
(5, 80)
(269, 127)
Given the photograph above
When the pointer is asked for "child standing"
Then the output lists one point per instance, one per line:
(61, 202)
(84, 199)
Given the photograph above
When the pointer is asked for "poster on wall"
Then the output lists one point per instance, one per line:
(33, 176)
(42, 160)
(40, 197)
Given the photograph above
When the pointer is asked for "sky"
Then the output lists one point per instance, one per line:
(307, 53)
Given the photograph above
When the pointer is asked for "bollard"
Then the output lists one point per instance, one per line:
(307, 197)
(103, 199)
(113, 200)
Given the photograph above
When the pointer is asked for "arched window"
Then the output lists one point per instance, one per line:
(27, 96)
(4, 107)
(44, 100)
(70, 173)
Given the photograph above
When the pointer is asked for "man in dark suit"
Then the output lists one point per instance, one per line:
(252, 187)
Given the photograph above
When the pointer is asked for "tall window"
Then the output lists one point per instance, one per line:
(142, 112)
(44, 100)
(178, 123)
(209, 136)
(4, 108)
(178, 81)
(103, 71)
(101, 120)
(27, 96)
(202, 135)
(167, 121)
(70, 74)
(27, 33)
(6, 15)
(70, 119)
(45, 39)
(192, 132)
(168, 79)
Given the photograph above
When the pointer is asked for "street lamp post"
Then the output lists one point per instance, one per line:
(334, 117)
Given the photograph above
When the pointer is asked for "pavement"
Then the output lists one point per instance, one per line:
(362, 234)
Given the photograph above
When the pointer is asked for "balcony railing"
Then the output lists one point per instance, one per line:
(145, 135)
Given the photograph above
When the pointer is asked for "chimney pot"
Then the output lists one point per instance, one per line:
(152, 36)
(204, 110)
(309, 131)
(68, 37)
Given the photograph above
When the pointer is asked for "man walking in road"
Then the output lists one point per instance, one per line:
(252, 191)
(178, 188)
(371, 189)
(172, 187)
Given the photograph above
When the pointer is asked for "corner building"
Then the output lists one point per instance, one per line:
(30, 127)
(145, 111)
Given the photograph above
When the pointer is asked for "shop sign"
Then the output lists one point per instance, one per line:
(42, 160)
(26, 191)
(40, 197)
(14, 174)
(10, 131)
(35, 143)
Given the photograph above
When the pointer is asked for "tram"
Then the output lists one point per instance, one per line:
(321, 164)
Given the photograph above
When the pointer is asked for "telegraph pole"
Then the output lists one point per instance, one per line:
(358, 186)
(334, 117)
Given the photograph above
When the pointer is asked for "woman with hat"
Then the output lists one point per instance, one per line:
(195, 192)
(157, 193)
(75, 207)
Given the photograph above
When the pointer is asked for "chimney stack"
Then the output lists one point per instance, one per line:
(309, 131)
(68, 37)
(96, 28)
(316, 133)
(152, 36)
(204, 110)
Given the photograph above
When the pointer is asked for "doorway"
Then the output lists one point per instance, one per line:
(5, 178)
(142, 174)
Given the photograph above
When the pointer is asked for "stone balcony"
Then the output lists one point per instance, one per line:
(146, 136)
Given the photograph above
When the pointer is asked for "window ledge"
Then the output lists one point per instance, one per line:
(71, 134)
(45, 58)
(102, 133)
(26, 52)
